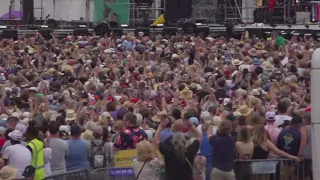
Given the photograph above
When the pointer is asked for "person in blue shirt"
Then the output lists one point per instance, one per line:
(77, 153)
(289, 139)
(206, 148)
(223, 152)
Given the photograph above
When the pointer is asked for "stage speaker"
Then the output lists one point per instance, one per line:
(178, 9)
(80, 32)
(46, 33)
(28, 11)
(10, 33)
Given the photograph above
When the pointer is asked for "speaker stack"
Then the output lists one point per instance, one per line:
(28, 11)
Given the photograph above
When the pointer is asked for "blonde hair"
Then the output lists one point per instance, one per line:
(118, 125)
(244, 135)
(259, 134)
(144, 151)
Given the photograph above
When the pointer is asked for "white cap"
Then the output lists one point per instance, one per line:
(15, 135)
(206, 117)
(270, 115)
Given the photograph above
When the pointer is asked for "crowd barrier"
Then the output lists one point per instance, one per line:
(81, 174)
(264, 169)
(273, 169)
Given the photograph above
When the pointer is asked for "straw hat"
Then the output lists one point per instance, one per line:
(185, 93)
(236, 62)
(247, 60)
(255, 92)
(159, 116)
(8, 173)
(259, 46)
(244, 110)
(66, 68)
(71, 115)
(268, 67)
(253, 52)
(195, 86)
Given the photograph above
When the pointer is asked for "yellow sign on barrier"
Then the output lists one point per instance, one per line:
(124, 158)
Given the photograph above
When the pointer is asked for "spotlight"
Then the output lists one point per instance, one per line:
(189, 26)
(82, 30)
(101, 29)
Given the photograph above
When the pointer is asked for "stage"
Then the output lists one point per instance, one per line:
(214, 29)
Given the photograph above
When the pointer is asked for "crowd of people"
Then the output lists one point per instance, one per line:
(190, 105)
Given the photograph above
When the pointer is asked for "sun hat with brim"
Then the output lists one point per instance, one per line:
(70, 115)
(244, 110)
(159, 116)
(247, 60)
(256, 61)
(206, 117)
(253, 52)
(8, 173)
(255, 92)
(185, 93)
(195, 86)
(259, 46)
(268, 67)
(236, 62)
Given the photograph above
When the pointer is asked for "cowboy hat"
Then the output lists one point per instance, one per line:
(268, 67)
(236, 62)
(71, 115)
(247, 60)
(255, 92)
(185, 93)
(159, 116)
(244, 110)
(8, 173)
(253, 52)
(259, 46)
(195, 86)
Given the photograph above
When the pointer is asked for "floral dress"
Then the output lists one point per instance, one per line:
(130, 137)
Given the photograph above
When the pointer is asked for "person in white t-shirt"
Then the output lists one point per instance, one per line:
(282, 114)
(17, 155)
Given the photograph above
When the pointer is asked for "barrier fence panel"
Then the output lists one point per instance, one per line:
(273, 169)
(82, 174)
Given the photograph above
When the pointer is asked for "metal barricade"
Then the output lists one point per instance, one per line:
(81, 174)
(273, 169)
(113, 174)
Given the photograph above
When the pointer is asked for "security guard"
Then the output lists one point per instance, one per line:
(36, 147)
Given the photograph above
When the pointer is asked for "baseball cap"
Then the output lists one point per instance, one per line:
(284, 124)
(63, 133)
(270, 116)
(15, 135)
(75, 130)
(231, 117)
(28, 171)
(206, 117)
(194, 120)
(296, 120)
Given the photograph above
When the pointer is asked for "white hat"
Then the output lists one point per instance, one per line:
(226, 101)
(15, 135)
(15, 114)
(175, 56)
(206, 117)
(33, 89)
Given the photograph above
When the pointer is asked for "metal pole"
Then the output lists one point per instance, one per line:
(315, 113)
(54, 9)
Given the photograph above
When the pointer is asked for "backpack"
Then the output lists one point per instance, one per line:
(98, 156)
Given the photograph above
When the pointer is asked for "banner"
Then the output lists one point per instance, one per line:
(124, 158)
(105, 9)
